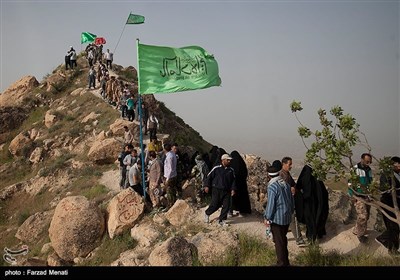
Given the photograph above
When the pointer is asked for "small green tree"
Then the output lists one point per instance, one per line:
(330, 151)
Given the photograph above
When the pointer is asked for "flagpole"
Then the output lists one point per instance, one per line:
(140, 121)
(119, 38)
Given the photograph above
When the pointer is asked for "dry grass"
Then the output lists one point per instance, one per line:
(110, 249)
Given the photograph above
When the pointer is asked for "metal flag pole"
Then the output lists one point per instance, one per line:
(120, 36)
(140, 122)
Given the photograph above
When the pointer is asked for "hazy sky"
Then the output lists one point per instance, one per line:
(322, 53)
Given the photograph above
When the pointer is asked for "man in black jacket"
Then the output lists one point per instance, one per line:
(221, 180)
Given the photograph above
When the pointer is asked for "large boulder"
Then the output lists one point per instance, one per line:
(135, 257)
(53, 182)
(175, 251)
(31, 229)
(19, 144)
(179, 213)
(215, 245)
(50, 119)
(124, 210)
(105, 151)
(36, 155)
(117, 128)
(10, 118)
(55, 81)
(145, 234)
(9, 191)
(91, 116)
(76, 228)
(16, 93)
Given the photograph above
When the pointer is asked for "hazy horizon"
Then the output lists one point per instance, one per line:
(322, 53)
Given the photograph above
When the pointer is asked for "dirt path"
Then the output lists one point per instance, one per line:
(339, 236)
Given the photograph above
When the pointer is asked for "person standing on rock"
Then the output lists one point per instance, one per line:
(278, 213)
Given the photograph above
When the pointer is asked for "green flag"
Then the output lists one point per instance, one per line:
(87, 37)
(166, 70)
(135, 19)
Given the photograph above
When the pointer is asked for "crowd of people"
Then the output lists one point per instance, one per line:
(220, 179)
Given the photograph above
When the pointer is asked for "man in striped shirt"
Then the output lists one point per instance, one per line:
(278, 213)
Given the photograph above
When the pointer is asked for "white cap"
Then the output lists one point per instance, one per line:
(225, 156)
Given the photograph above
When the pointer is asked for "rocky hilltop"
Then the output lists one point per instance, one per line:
(60, 196)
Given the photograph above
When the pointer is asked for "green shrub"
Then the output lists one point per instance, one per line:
(95, 191)
(54, 128)
(57, 164)
(110, 249)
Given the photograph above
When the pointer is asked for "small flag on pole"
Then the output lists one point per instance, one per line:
(135, 19)
(87, 37)
(100, 41)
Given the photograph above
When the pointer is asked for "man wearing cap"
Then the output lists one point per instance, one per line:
(221, 180)
(278, 213)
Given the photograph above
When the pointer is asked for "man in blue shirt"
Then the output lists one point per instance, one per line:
(278, 213)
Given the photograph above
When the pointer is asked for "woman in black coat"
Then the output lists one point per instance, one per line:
(241, 200)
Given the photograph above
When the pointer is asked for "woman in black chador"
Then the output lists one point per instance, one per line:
(241, 200)
(311, 204)
(216, 154)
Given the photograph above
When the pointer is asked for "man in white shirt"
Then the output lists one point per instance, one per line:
(170, 174)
